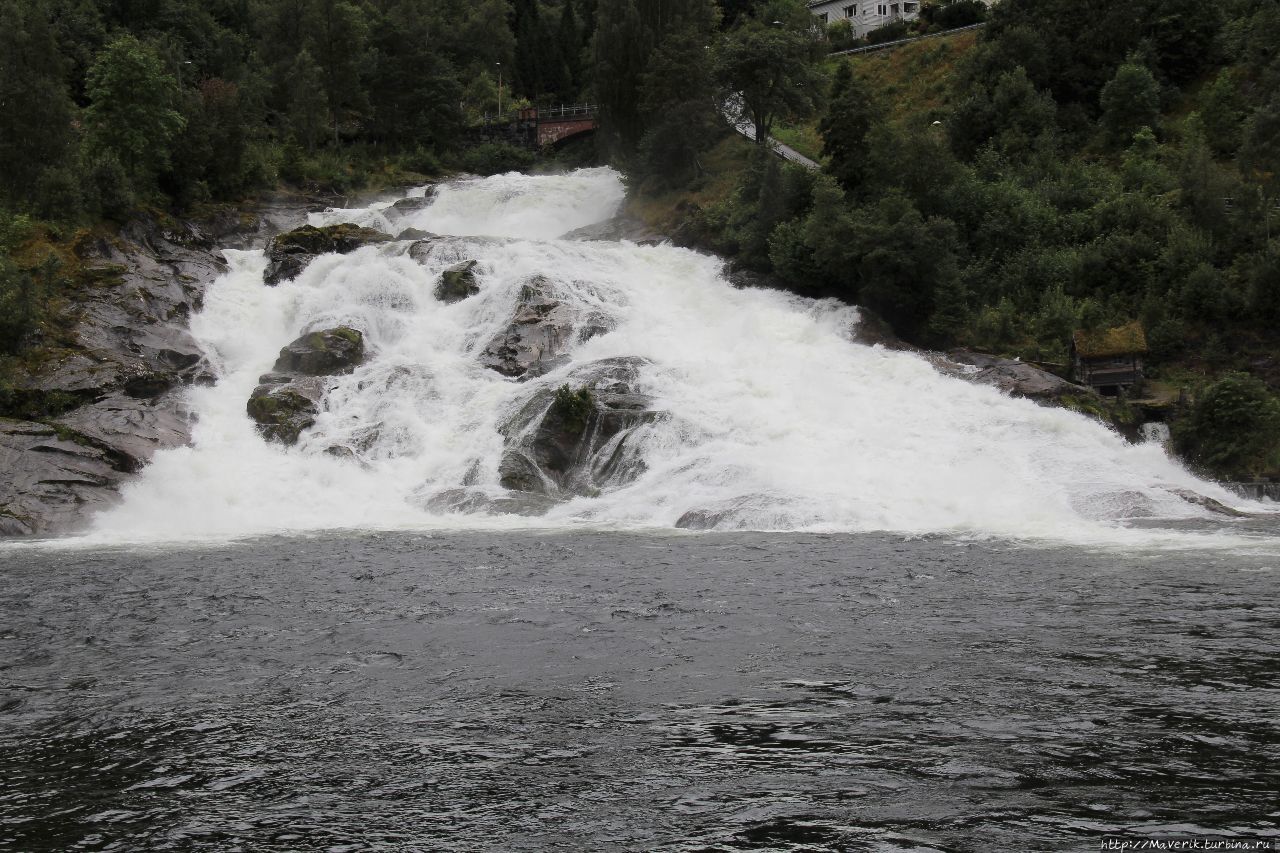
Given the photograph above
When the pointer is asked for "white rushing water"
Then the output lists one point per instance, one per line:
(777, 419)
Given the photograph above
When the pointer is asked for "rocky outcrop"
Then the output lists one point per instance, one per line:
(410, 205)
(96, 400)
(535, 338)
(625, 226)
(458, 282)
(289, 397)
(289, 253)
(577, 439)
(1013, 377)
(52, 478)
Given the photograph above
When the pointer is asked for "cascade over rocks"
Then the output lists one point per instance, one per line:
(535, 338)
(289, 253)
(289, 397)
(577, 440)
(458, 282)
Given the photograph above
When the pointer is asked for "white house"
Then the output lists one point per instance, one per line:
(864, 15)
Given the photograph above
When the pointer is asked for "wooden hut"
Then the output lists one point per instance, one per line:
(1109, 360)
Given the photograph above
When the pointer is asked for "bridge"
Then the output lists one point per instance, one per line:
(554, 125)
(541, 127)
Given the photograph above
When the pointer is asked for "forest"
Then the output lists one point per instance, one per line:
(1086, 164)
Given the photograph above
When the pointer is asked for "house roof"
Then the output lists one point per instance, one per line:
(1128, 339)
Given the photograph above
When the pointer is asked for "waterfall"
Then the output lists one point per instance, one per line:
(772, 417)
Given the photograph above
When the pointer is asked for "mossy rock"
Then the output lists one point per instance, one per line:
(282, 412)
(290, 252)
(341, 238)
(458, 282)
(323, 353)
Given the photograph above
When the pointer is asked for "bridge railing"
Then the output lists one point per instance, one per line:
(565, 111)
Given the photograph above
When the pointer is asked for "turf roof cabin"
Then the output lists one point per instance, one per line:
(1109, 360)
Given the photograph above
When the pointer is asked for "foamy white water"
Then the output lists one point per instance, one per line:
(778, 420)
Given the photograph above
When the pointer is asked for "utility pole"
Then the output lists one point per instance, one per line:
(499, 64)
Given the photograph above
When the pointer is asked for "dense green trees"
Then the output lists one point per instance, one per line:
(105, 105)
(131, 115)
(35, 106)
(1233, 428)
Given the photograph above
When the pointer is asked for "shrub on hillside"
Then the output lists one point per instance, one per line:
(1233, 429)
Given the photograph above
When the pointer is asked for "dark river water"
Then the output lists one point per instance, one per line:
(718, 692)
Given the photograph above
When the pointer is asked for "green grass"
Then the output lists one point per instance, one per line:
(802, 137)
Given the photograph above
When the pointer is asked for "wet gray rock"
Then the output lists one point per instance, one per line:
(132, 430)
(283, 410)
(458, 282)
(109, 393)
(407, 206)
(288, 399)
(537, 335)
(436, 249)
(289, 253)
(731, 514)
(1013, 377)
(323, 353)
(1209, 503)
(414, 234)
(473, 501)
(579, 439)
(621, 227)
(52, 481)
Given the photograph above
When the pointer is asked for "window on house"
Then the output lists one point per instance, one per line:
(850, 11)
(909, 8)
(823, 17)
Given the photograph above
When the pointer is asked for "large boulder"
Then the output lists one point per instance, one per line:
(537, 335)
(322, 353)
(458, 282)
(410, 205)
(288, 399)
(624, 226)
(578, 439)
(1016, 378)
(283, 410)
(289, 253)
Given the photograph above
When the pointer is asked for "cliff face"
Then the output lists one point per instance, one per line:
(89, 412)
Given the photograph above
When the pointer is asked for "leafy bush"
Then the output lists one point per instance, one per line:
(889, 32)
(496, 158)
(1233, 429)
(573, 408)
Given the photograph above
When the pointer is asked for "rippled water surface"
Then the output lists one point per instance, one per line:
(602, 691)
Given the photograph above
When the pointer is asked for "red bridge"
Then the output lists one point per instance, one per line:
(555, 125)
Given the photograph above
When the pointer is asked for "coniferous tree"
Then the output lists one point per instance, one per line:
(35, 109)
(845, 127)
